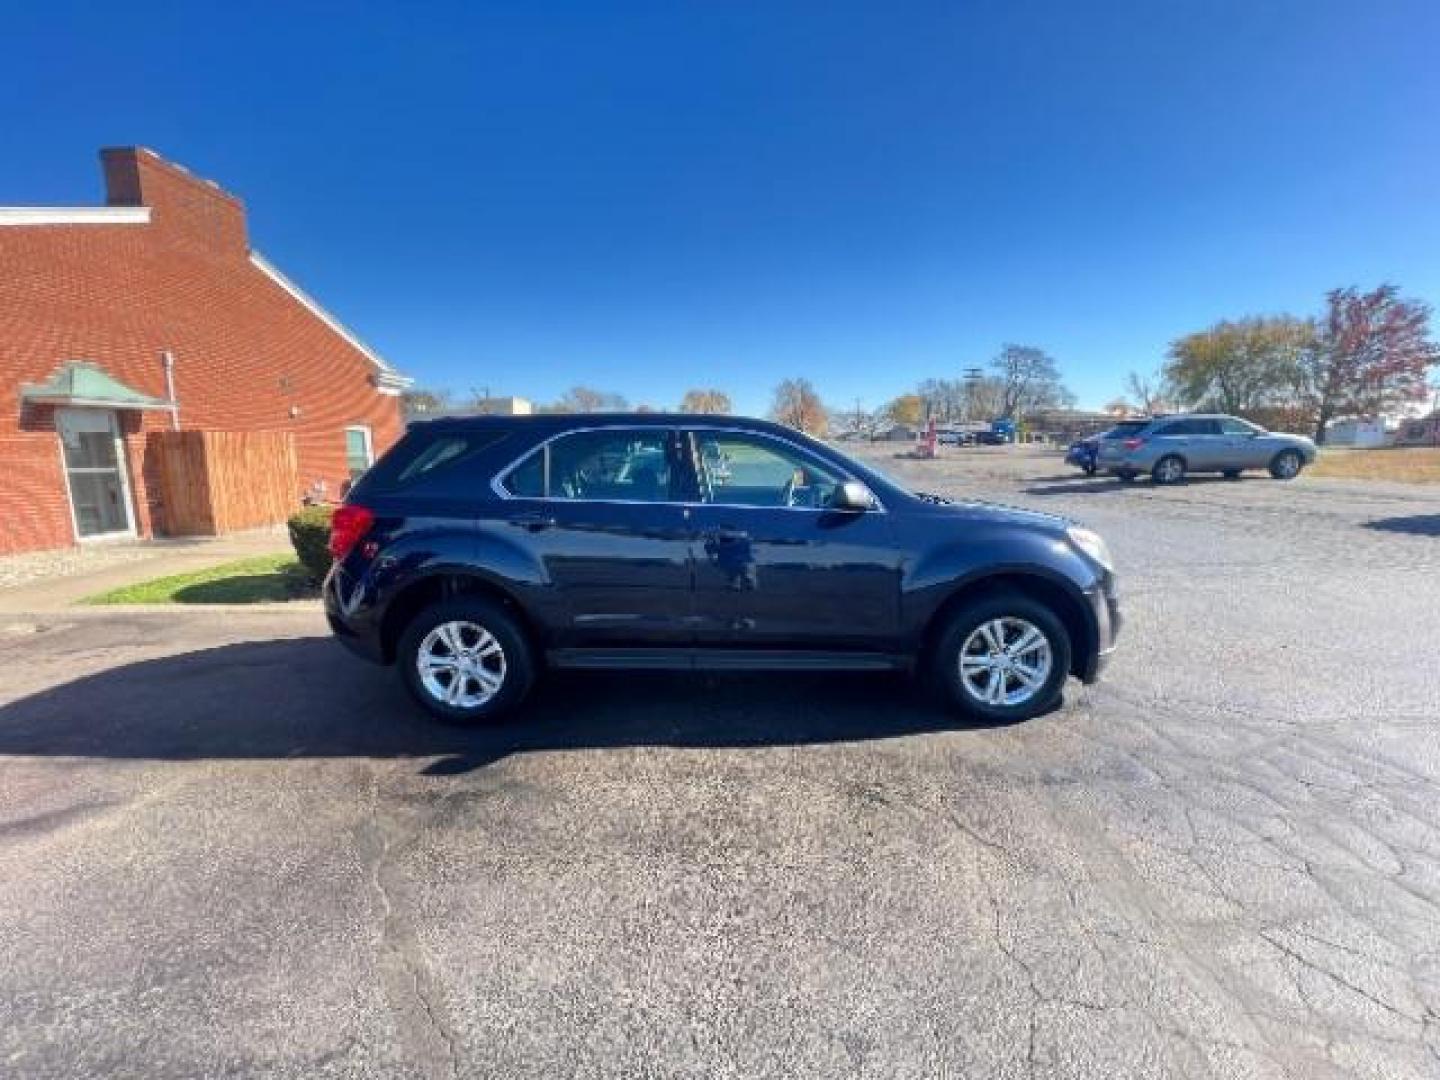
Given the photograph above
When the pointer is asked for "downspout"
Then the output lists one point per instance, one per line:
(168, 359)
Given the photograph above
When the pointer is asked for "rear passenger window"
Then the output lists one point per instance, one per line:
(424, 453)
(1190, 427)
(597, 466)
(438, 453)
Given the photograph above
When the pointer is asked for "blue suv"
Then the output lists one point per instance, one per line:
(479, 551)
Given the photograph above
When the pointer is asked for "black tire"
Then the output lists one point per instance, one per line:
(1125, 477)
(517, 674)
(945, 665)
(1089, 470)
(1170, 469)
(1286, 465)
(1231, 474)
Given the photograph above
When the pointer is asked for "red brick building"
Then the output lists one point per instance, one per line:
(149, 313)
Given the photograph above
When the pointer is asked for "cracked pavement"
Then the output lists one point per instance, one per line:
(227, 848)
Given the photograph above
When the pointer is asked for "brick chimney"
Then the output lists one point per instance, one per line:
(191, 209)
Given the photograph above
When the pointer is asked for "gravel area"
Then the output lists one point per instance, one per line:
(33, 566)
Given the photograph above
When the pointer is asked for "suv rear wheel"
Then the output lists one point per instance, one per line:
(465, 660)
(1170, 469)
(1003, 658)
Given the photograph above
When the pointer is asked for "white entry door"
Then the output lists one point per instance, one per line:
(95, 472)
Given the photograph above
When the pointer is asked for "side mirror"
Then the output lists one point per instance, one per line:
(853, 496)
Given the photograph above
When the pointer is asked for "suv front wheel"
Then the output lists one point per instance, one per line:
(466, 660)
(1003, 658)
(1286, 465)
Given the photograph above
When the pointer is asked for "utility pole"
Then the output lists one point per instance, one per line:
(972, 377)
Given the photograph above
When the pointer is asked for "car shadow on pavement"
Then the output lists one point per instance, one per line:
(1109, 485)
(1418, 525)
(306, 697)
(1080, 485)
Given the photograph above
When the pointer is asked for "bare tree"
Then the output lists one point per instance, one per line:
(706, 401)
(951, 400)
(421, 401)
(798, 405)
(1148, 392)
(984, 398)
(1030, 381)
(583, 399)
(942, 399)
(1117, 407)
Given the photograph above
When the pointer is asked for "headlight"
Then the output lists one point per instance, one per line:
(1091, 544)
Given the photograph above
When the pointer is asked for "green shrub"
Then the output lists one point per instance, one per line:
(310, 533)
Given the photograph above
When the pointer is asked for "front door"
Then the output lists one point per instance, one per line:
(601, 511)
(1244, 447)
(95, 472)
(774, 565)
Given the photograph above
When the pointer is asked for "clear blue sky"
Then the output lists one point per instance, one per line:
(648, 197)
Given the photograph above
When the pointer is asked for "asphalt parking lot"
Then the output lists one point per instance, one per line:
(226, 848)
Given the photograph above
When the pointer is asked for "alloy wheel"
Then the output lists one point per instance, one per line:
(1287, 465)
(461, 664)
(1005, 662)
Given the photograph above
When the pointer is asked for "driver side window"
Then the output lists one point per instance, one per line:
(741, 470)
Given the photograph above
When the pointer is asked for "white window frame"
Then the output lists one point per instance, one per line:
(364, 430)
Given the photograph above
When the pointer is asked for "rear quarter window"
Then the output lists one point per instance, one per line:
(422, 456)
(527, 480)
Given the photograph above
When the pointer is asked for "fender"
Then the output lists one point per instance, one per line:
(416, 549)
(984, 553)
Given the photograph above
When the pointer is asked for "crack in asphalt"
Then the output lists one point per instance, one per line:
(405, 977)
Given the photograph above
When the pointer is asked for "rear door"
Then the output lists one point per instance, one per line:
(1207, 444)
(774, 566)
(601, 510)
(1193, 438)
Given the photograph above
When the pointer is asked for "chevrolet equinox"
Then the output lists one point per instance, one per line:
(479, 550)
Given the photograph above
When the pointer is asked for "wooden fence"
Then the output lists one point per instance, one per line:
(212, 482)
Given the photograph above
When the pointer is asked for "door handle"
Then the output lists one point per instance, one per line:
(533, 522)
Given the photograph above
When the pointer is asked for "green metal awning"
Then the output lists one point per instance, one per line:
(81, 382)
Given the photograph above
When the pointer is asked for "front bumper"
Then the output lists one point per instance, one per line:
(1105, 604)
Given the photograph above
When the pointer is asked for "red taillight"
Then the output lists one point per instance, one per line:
(1134, 444)
(347, 525)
